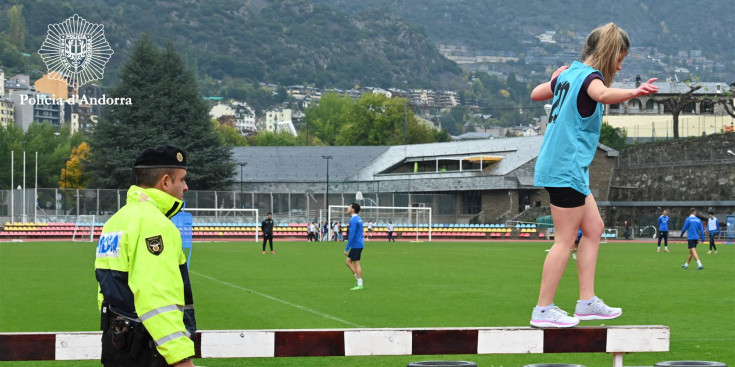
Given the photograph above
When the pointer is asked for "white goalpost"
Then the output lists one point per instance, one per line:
(82, 222)
(225, 217)
(417, 217)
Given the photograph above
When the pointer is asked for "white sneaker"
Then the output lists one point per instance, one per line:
(552, 317)
(596, 310)
(574, 255)
(709, 252)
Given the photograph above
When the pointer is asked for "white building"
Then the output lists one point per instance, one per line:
(244, 118)
(547, 37)
(278, 121)
(2, 83)
(243, 115)
(221, 110)
(36, 108)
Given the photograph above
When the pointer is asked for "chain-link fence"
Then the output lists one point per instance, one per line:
(59, 205)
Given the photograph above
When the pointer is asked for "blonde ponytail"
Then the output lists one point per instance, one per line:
(602, 49)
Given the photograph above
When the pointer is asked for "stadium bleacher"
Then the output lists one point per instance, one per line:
(210, 231)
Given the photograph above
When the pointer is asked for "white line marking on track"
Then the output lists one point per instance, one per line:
(315, 312)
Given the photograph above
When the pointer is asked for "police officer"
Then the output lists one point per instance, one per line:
(145, 296)
(267, 228)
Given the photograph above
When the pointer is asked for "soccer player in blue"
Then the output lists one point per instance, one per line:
(663, 231)
(693, 226)
(572, 134)
(355, 244)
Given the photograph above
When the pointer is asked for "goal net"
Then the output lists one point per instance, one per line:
(412, 222)
(83, 224)
(241, 223)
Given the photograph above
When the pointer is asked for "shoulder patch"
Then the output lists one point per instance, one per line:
(109, 244)
(154, 244)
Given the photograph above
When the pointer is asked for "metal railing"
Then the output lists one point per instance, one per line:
(59, 205)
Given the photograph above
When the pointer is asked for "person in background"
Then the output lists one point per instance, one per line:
(663, 231)
(370, 229)
(355, 244)
(390, 232)
(267, 228)
(693, 227)
(713, 227)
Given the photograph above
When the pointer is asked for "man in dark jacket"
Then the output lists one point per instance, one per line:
(267, 228)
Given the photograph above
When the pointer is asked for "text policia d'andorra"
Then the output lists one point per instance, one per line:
(74, 99)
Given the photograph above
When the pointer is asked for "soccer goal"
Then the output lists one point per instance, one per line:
(220, 220)
(83, 222)
(406, 219)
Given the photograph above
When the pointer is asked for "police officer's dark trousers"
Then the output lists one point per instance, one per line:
(126, 343)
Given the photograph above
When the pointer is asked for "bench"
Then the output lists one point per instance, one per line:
(363, 342)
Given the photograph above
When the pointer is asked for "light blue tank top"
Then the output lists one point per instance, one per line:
(571, 140)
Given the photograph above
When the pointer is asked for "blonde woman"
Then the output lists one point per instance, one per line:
(573, 132)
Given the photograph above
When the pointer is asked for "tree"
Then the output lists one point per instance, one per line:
(17, 25)
(378, 120)
(614, 137)
(324, 120)
(53, 147)
(676, 104)
(167, 109)
(269, 138)
(72, 175)
(229, 135)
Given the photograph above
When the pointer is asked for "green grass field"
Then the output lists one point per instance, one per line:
(51, 287)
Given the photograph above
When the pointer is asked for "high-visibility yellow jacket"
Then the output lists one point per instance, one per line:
(141, 271)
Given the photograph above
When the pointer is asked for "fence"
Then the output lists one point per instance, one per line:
(59, 205)
(648, 127)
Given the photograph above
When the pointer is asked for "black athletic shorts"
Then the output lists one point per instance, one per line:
(663, 234)
(693, 243)
(566, 197)
(355, 254)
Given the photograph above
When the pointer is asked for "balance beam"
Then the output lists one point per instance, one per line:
(363, 342)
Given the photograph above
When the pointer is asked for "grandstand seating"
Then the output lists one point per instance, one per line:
(211, 231)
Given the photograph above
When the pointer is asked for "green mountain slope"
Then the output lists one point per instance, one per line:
(276, 41)
(503, 25)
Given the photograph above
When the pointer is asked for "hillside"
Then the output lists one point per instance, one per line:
(500, 25)
(276, 41)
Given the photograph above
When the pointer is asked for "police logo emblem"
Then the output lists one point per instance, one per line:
(75, 51)
(179, 157)
(154, 244)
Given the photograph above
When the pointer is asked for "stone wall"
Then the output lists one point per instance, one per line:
(665, 174)
(600, 171)
(676, 170)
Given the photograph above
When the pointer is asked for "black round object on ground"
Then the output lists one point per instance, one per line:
(442, 364)
(689, 364)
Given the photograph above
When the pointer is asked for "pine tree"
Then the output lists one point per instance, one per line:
(166, 109)
(188, 126)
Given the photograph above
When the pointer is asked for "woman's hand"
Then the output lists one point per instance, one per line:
(647, 88)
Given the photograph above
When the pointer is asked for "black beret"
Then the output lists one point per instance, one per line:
(163, 156)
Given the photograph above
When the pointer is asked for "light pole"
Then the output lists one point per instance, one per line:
(326, 197)
(241, 164)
